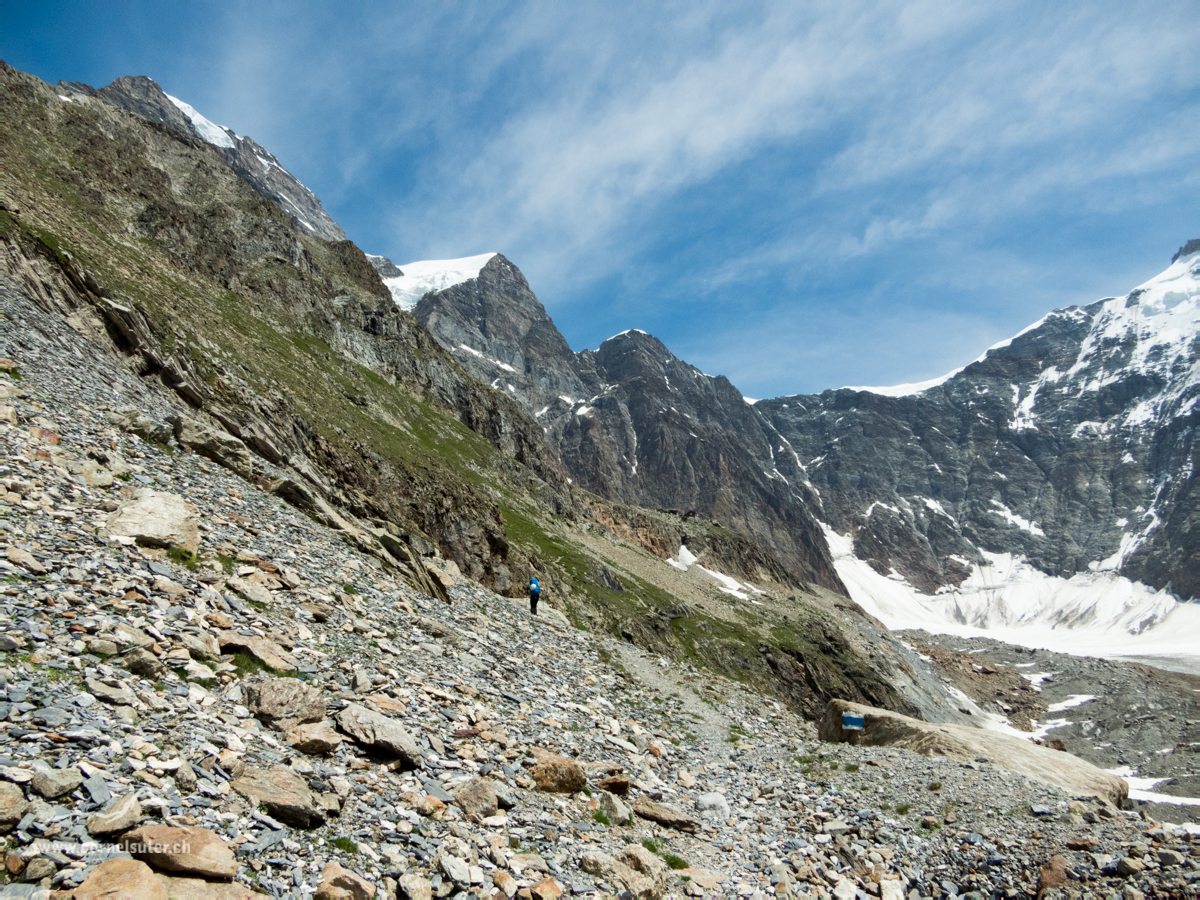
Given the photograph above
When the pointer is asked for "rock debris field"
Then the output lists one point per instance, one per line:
(271, 713)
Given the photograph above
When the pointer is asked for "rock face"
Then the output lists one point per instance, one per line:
(210, 222)
(889, 729)
(1068, 445)
(631, 422)
(254, 164)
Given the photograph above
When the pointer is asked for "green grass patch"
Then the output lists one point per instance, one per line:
(674, 862)
(184, 557)
(602, 817)
(903, 809)
(345, 844)
(245, 663)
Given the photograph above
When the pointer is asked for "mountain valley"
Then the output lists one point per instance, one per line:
(381, 455)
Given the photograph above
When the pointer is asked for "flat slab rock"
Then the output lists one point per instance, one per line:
(666, 815)
(884, 728)
(262, 648)
(193, 850)
(377, 730)
(284, 793)
(157, 519)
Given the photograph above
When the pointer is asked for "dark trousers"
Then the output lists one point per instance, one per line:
(533, 600)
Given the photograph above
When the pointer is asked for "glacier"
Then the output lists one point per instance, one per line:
(423, 276)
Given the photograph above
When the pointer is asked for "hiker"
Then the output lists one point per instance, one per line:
(535, 591)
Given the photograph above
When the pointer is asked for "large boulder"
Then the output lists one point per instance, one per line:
(251, 590)
(378, 731)
(56, 783)
(314, 738)
(284, 793)
(557, 774)
(120, 815)
(284, 703)
(339, 883)
(477, 799)
(640, 873)
(12, 806)
(157, 519)
(612, 807)
(121, 877)
(882, 728)
(192, 851)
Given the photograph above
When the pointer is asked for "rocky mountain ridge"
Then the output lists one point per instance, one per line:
(256, 165)
(630, 421)
(284, 359)
(1069, 449)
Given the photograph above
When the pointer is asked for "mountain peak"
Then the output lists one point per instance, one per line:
(259, 168)
(1192, 246)
(416, 279)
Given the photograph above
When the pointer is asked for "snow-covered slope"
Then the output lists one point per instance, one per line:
(217, 135)
(1046, 493)
(1093, 613)
(419, 278)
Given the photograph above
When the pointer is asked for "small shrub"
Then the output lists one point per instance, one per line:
(675, 862)
(349, 588)
(935, 785)
(124, 476)
(903, 809)
(851, 767)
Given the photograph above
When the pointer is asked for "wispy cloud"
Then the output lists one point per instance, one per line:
(772, 168)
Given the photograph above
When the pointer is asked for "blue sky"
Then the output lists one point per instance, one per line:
(799, 196)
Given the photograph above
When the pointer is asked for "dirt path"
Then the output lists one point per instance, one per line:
(711, 724)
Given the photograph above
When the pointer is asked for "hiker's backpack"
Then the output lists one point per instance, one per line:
(534, 588)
